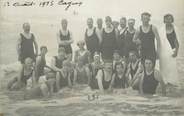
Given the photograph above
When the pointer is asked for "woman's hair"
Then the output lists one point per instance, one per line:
(108, 18)
(169, 15)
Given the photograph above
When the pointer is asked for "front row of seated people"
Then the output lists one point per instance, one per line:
(98, 75)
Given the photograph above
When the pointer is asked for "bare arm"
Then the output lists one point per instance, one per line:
(36, 46)
(141, 84)
(158, 40)
(53, 65)
(18, 46)
(112, 82)
(159, 78)
(136, 36)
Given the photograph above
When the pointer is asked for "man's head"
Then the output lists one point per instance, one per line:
(168, 19)
(26, 27)
(145, 17)
(123, 22)
(96, 57)
(108, 21)
(43, 50)
(99, 23)
(61, 53)
(116, 55)
(90, 23)
(115, 24)
(64, 24)
(133, 55)
(108, 66)
(131, 23)
(148, 63)
(119, 67)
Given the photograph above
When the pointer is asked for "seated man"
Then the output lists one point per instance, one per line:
(134, 67)
(25, 73)
(150, 78)
(40, 65)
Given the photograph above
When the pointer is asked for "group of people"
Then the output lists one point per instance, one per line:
(116, 56)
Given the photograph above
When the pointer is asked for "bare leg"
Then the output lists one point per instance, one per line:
(58, 81)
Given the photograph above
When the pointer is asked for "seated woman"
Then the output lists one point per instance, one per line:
(150, 78)
(82, 53)
(94, 67)
(25, 73)
(81, 73)
(104, 77)
(119, 81)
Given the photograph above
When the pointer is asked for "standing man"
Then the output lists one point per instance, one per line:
(121, 39)
(27, 45)
(99, 29)
(128, 43)
(65, 39)
(91, 38)
(145, 35)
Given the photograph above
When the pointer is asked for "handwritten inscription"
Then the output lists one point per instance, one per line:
(65, 3)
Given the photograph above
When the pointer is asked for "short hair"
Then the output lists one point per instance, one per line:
(169, 15)
(145, 14)
(61, 49)
(43, 47)
(131, 19)
(64, 20)
(91, 19)
(123, 18)
(108, 18)
(26, 23)
(151, 59)
(119, 63)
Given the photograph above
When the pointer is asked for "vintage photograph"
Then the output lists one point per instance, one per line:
(91, 58)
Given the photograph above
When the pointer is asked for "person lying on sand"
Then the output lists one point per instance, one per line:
(150, 78)
(25, 73)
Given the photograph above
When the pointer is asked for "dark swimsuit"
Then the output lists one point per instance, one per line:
(147, 44)
(171, 37)
(68, 48)
(108, 44)
(105, 84)
(121, 42)
(27, 49)
(129, 44)
(41, 66)
(119, 82)
(82, 77)
(92, 42)
(93, 81)
(132, 73)
(149, 83)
